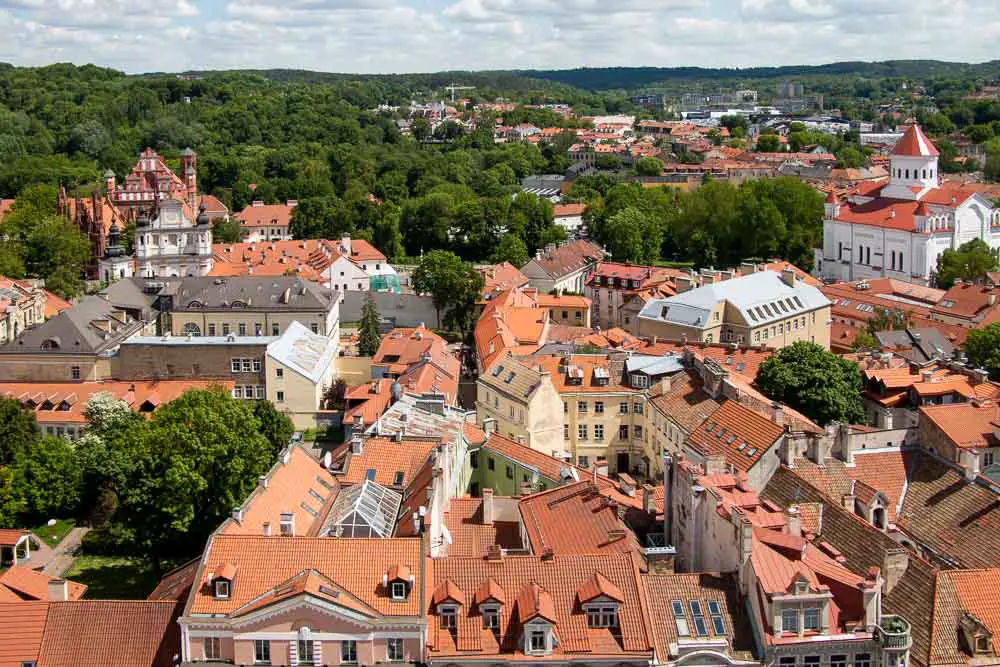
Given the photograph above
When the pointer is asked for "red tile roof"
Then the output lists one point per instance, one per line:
(176, 584)
(386, 457)
(64, 402)
(307, 259)
(258, 215)
(966, 425)
(882, 471)
(566, 210)
(736, 432)
(10, 536)
(971, 592)
(575, 518)
(97, 633)
(547, 587)
(21, 628)
(567, 258)
(370, 400)
(914, 143)
(33, 585)
(743, 361)
(967, 301)
(686, 401)
(501, 277)
(263, 563)
(403, 347)
(470, 536)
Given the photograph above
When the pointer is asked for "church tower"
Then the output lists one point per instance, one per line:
(114, 264)
(914, 166)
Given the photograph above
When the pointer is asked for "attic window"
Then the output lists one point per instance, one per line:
(699, 618)
(640, 381)
(679, 619)
(397, 480)
(397, 590)
(510, 376)
(370, 475)
(751, 451)
(947, 303)
(287, 525)
(718, 625)
(449, 616)
(497, 371)
(602, 616)
(710, 427)
(222, 589)
(491, 618)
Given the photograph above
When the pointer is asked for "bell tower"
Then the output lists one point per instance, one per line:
(914, 166)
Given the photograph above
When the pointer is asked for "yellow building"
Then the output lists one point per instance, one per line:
(518, 399)
(21, 307)
(299, 367)
(764, 308)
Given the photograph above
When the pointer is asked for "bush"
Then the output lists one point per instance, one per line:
(110, 539)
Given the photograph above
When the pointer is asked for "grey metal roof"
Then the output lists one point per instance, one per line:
(923, 344)
(91, 326)
(281, 293)
(760, 298)
(653, 365)
(412, 413)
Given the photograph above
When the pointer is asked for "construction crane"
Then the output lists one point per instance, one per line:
(453, 88)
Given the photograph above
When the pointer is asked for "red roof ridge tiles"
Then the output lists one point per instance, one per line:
(914, 143)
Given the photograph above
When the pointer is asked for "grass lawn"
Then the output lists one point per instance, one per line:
(113, 577)
(52, 535)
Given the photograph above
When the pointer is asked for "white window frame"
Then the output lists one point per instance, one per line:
(349, 652)
(213, 648)
(261, 646)
(449, 616)
(491, 618)
(397, 590)
(792, 614)
(223, 589)
(394, 649)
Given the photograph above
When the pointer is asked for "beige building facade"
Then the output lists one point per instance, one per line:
(520, 401)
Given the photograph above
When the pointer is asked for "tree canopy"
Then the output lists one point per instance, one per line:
(369, 339)
(454, 285)
(814, 381)
(969, 262)
(983, 349)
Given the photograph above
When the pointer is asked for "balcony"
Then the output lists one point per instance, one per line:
(894, 633)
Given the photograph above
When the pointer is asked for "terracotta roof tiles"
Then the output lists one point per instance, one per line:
(575, 518)
(30, 584)
(385, 457)
(470, 536)
(738, 433)
(21, 627)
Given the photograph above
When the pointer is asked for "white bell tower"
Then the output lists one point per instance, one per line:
(914, 166)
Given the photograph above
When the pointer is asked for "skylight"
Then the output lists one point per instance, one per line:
(751, 451)
(682, 625)
(510, 376)
(370, 475)
(798, 302)
(710, 427)
(699, 618)
(715, 610)
(498, 370)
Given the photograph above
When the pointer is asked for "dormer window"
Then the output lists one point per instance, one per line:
(790, 620)
(222, 589)
(491, 618)
(398, 590)
(810, 618)
(287, 524)
(538, 641)
(449, 616)
(602, 615)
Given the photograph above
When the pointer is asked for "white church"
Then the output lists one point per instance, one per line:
(899, 228)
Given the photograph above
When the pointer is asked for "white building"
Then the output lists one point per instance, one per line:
(900, 228)
(173, 242)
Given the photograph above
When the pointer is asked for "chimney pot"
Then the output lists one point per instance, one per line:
(488, 507)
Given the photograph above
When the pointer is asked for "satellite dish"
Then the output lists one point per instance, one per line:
(327, 460)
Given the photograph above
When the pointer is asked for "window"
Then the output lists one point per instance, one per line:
(637, 432)
(565, 431)
(314, 327)
(235, 365)
(787, 661)
(581, 431)
(811, 661)
(394, 649)
(537, 640)
(718, 625)
(599, 432)
(623, 432)
(583, 461)
(862, 660)
(248, 366)
(306, 654)
(256, 365)
(287, 526)
(790, 620)
(491, 619)
(581, 406)
(988, 458)
(491, 464)
(398, 590)
(222, 588)
(260, 392)
(698, 614)
(602, 617)
(810, 618)
(449, 618)
(639, 381)
(637, 408)
(680, 620)
(242, 328)
(211, 329)
(598, 407)
(510, 472)
(213, 648)
(839, 660)
(349, 651)
(262, 652)
(281, 397)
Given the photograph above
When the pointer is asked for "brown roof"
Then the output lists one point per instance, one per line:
(961, 592)
(33, 585)
(21, 628)
(966, 425)
(738, 433)
(401, 348)
(575, 519)
(744, 360)
(548, 587)
(470, 536)
(663, 589)
(966, 301)
(176, 584)
(500, 277)
(259, 214)
(883, 471)
(686, 401)
(262, 563)
(10, 536)
(567, 258)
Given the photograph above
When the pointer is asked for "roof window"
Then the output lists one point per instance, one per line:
(699, 618)
(679, 619)
(715, 610)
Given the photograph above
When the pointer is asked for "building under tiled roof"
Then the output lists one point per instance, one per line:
(388, 461)
(575, 519)
(686, 401)
(471, 536)
(736, 432)
(31, 584)
(965, 595)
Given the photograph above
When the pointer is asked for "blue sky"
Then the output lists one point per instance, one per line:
(432, 35)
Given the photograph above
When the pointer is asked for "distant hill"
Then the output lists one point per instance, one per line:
(611, 78)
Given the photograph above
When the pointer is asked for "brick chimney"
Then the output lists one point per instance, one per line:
(788, 277)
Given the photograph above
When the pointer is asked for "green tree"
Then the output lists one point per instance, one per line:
(11, 502)
(814, 381)
(420, 128)
(648, 166)
(275, 425)
(18, 430)
(369, 340)
(226, 231)
(983, 349)
(768, 143)
(199, 457)
(511, 249)
(865, 341)
(969, 262)
(48, 478)
(448, 280)
(884, 319)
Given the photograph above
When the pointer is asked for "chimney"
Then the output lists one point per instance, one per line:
(794, 520)
(489, 425)
(548, 553)
(746, 268)
(869, 591)
(893, 566)
(626, 485)
(262, 481)
(847, 500)
(494, 552)
(488, 507)
(58, 590)
(683, 284)
(648, 499)
(926, 375)
(777, 413)
(237, 514)
(345, 242)
(788, 277)
(357, 443)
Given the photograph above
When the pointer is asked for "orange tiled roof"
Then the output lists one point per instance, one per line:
(686, 401)
(743, 361)
(64, 402)
(914, 143)
(30, 584)
(575, 518)
(966, 425)
(370, 400)
(566, 210)
(501, 277)
(962, 592)
(738, 433)
(307, 259)
(610, 339)
(10, 536)
(96, 633)
(882, 471)
(966, 301)
(357, 565)
(568, 258)
(583, 365)
(386, 457)
(547, 587)
(470, 536)
(259, 215)
(405, 346)
(296, 481)
(21, 628)
(176, 584)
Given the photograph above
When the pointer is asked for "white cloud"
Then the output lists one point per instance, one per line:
(432, 35)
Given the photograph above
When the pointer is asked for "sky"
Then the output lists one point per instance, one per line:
(380, 36)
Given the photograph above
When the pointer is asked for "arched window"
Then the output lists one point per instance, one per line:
(878, 518)
(907, 174)
(192, 329)
(868, 256)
